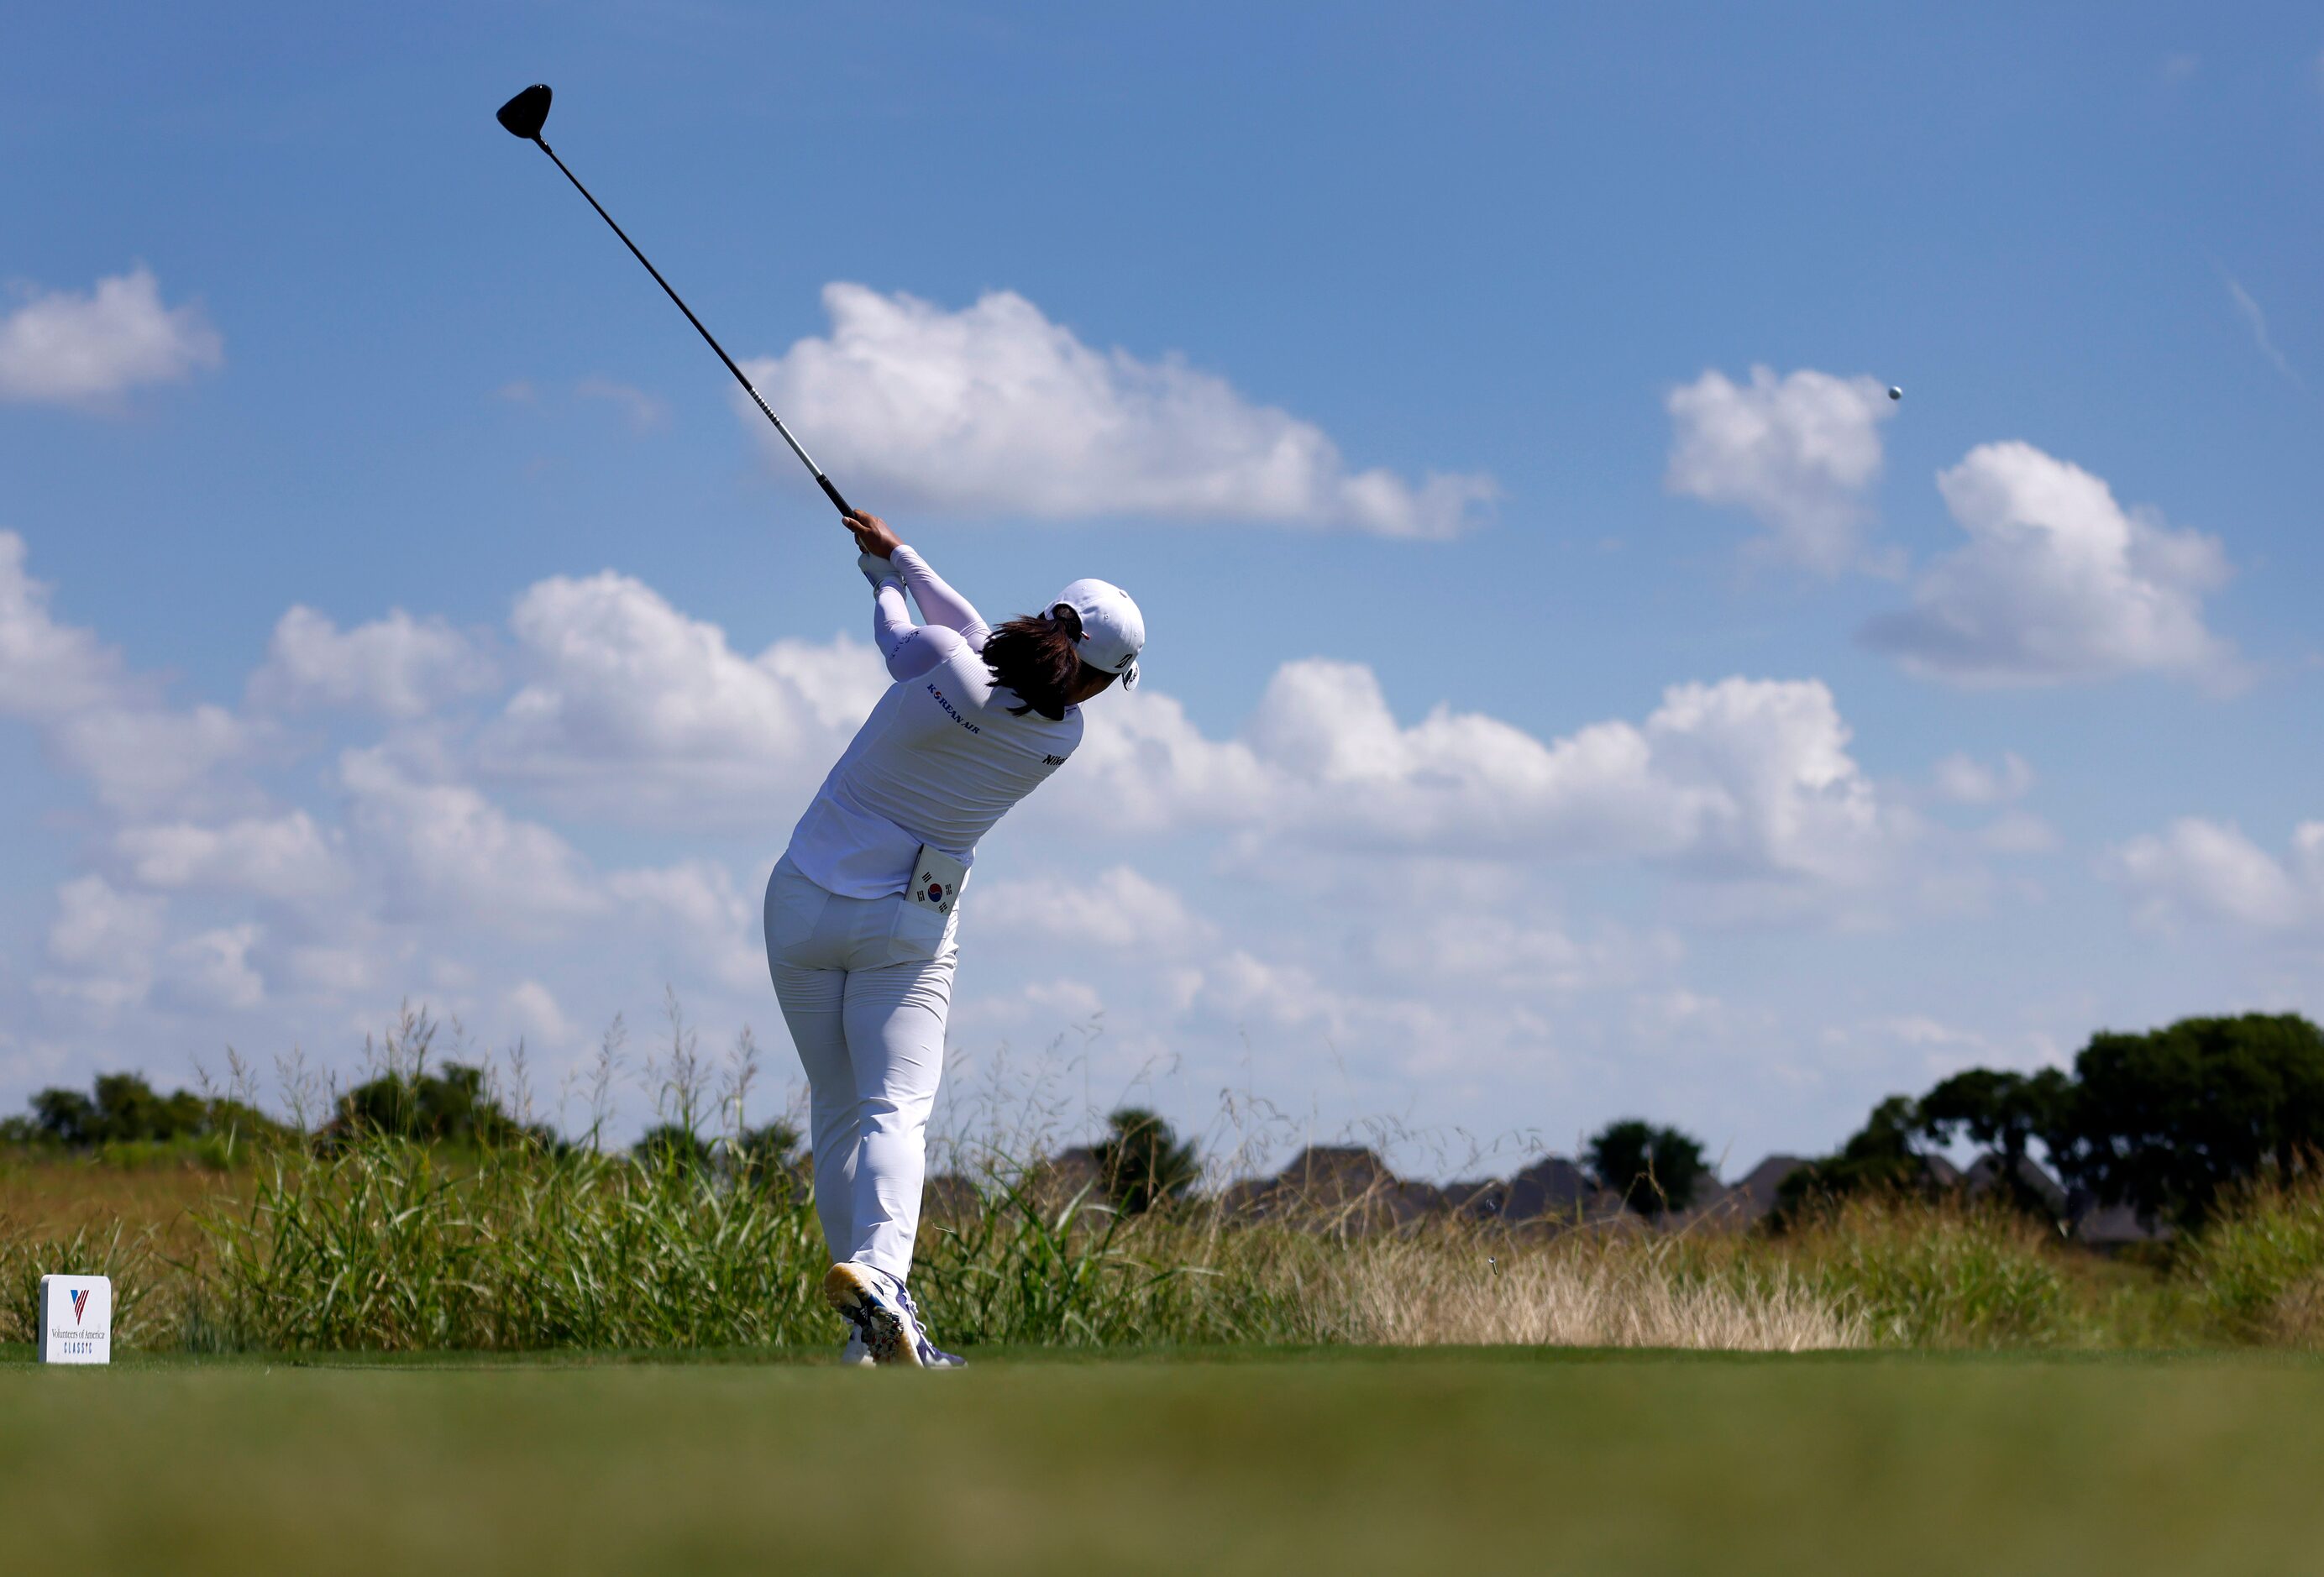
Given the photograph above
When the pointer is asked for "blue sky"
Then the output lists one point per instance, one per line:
(1197, 300)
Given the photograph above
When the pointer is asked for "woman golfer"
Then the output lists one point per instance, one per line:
(862, 911)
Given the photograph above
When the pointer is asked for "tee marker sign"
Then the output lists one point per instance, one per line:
(76, 1319)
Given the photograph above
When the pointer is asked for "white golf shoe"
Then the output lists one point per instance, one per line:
(884, 1319)
(866, 1300)
(931, 1355)
(853, 1354)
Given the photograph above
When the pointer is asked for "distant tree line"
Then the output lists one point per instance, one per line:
(2167, 1122)
(451, 1105)
(123, 1108)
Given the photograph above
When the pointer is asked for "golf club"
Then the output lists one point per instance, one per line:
(524, 116)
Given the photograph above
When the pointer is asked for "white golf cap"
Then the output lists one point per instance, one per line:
(1113, 631)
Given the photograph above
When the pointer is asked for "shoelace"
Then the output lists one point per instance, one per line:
(904, 1296)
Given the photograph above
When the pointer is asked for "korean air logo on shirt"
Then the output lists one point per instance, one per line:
(952, 711)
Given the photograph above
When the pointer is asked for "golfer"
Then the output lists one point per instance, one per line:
(862, 915)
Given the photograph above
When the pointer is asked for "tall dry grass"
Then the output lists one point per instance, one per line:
(1463, 1285)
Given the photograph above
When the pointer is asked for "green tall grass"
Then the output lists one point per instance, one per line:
(121, 1253)
(381, 1244)
(2261, 1267)
(390, 1246)
(384, 1244)
(1942, 1273)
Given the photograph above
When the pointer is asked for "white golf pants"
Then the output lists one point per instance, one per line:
(864, 984)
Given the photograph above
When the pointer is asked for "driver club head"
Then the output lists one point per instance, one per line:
(527, 113)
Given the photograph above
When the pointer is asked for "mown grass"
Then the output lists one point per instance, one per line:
(1342, 1460)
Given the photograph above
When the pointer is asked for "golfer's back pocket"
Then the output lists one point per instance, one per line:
(918, 931)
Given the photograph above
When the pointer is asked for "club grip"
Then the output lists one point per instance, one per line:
(832, 493)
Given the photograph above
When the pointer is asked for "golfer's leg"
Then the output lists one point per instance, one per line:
(896, 1036)
(813, 999)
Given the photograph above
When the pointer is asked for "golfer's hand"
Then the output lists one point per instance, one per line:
(872, 534)
(880, 572)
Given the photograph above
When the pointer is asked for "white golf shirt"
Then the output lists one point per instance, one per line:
(940, 760)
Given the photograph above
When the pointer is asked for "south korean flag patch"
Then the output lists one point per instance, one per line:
(936, 879)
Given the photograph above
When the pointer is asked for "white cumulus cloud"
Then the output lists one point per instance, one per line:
(47, 669)
(101, 722)
(535, 1007)
(443, 849)
(1800, 452)
(142, 759)
(2198, 868)
(996, 408)
(60, 348)
(399, 666)
(1489, 948)
(288, 857)
(1118, 908)
(213, 969)
(1746, 779)
(699, 916)
(635, 710)
(2057, 584)
(1963, 779)
(103, 942)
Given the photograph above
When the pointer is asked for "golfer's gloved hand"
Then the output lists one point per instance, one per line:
(879, 571)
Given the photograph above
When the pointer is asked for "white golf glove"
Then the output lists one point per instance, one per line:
(879, 571)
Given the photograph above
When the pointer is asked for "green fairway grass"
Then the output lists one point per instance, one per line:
(1527, 1461)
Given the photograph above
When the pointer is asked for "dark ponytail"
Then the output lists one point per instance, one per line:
(1038, 657)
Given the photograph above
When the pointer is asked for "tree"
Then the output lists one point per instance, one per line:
(123, 1109)
(1143, 1163)
(768, 1151)
(673, 1147)
(2005, 1112)
(65, 1117)
(1878, 1157)
(1654, 1169)
(452, 1107)
(2167, 1121)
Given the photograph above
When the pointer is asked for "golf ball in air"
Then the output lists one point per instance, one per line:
(1894, 392)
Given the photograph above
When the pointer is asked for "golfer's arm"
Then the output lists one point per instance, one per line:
(939, 603)
(911, 650)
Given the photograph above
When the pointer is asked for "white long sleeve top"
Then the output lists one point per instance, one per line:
(940, 760)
